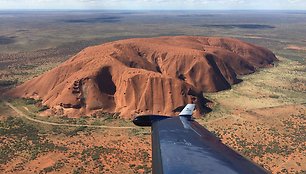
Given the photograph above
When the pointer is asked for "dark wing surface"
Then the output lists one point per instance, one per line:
(181, 145)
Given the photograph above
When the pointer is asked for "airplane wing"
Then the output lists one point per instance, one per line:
(181, 145)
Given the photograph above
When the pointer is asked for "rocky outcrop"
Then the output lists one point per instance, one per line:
(147, 75)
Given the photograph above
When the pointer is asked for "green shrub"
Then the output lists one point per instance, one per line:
(43, 108)
(76, 130)
(6, 83)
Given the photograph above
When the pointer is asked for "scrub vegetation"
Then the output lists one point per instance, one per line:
(263, 117)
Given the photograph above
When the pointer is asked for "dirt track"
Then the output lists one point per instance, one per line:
(20, 113)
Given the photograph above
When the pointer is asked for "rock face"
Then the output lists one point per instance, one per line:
(147, 75)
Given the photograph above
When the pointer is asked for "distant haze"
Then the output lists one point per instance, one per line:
(156, 4)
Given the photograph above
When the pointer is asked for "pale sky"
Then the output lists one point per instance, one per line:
(156, 4)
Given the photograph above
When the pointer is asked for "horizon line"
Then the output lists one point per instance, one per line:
(76, 9)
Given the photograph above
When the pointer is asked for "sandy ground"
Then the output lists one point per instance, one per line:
(264, 118)
(295, 47)
(121, 151)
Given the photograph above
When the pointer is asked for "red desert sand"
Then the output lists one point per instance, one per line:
(145, 75)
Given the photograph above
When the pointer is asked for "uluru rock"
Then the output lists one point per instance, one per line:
(146, 75)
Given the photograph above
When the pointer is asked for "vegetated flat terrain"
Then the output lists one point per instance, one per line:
(77, 146)
(263, 117)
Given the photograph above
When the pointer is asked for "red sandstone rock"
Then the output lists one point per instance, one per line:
(147, 75)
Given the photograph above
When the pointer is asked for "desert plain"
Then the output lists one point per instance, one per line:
(262, 117)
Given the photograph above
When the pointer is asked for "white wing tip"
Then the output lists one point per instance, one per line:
(187, 110)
